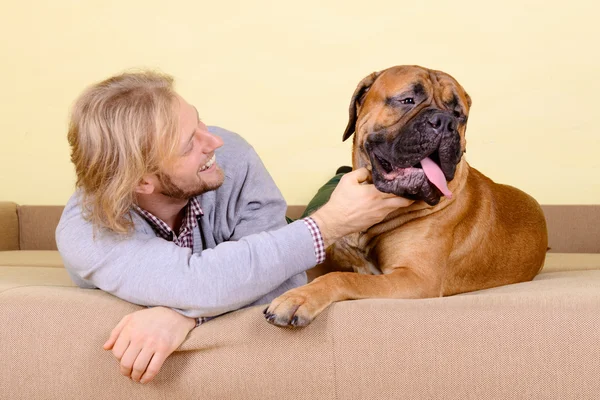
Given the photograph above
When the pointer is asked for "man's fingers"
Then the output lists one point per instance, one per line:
(155, 365)
(398, 202)
(360, 175)
(129, 358)
(388, 196)
(120, 347)
(378, 194)
(390, 199)
(114, 334)
(141, 363)
(402, 202)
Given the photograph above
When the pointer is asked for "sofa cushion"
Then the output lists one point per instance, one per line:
(538, 341)
(9, 226)
(13, 277)
(31, 258)
(556, 262)
(37, 225)
(47, 258)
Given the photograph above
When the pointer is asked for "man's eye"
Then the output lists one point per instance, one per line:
(408, 100)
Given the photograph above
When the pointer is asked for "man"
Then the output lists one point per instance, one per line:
(171, 213)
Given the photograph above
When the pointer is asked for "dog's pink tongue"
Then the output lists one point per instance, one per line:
(436, 176)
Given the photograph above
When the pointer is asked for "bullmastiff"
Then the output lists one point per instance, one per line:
(463, 233)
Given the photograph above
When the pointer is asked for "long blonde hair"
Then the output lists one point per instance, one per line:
(120, 129)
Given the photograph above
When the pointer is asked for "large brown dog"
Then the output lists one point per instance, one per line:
(463, 233)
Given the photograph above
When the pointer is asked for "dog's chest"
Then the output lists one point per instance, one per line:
(367, 269)
(354, 252)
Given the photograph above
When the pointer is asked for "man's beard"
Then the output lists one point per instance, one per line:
(170, 189)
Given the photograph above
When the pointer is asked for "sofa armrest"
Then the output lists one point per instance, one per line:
(9, 226)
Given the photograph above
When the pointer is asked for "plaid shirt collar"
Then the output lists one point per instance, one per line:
(186, 232)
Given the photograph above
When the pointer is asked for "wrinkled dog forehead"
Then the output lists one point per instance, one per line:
(442, 89)
(377, 93)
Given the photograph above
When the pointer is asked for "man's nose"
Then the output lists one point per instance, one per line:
(212, 141)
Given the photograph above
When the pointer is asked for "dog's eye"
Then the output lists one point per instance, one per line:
(408, 100)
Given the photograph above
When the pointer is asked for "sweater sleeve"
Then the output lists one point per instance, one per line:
(148, 270)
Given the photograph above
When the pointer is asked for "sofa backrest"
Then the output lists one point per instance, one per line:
(295, 212)
(571, 228)
(37, 225)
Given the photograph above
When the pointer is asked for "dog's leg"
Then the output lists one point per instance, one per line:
(299, 306)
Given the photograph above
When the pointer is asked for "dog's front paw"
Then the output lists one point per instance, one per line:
(293, 309)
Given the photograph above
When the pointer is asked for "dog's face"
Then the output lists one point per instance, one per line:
(410, 130)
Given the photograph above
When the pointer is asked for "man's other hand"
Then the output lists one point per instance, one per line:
(143, 340)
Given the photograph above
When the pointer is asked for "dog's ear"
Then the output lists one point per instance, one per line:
(357, 98)
(469, 101)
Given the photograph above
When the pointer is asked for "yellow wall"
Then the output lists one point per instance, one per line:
(281, 74)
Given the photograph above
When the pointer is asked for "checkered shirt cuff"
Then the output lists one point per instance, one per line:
(315, 232)
(201, 320)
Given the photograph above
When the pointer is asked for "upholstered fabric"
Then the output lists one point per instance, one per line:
(556, 262)
(536, 340)
(37, 226)
(31, 258)
(13, 277)
(9, 226)
(573, 228)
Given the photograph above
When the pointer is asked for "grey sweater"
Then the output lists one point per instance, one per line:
(251, 254)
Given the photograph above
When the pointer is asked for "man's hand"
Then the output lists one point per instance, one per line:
(143, 340)
(354, 207)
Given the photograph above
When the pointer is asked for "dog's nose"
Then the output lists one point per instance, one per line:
(442, 123)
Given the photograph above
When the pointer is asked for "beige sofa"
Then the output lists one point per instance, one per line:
(535, 340)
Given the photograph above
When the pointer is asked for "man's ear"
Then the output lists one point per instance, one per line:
(146, 185)
(357, 99)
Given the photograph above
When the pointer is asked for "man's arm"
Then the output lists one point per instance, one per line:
(152, 271)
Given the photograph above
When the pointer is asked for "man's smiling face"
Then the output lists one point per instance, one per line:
(195, 169)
